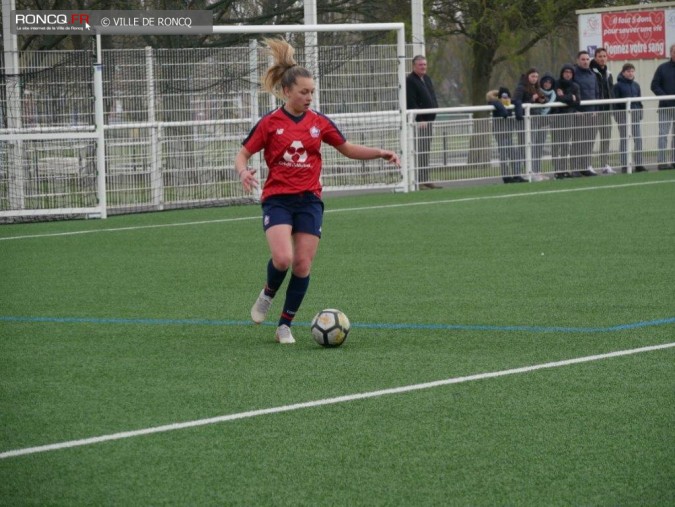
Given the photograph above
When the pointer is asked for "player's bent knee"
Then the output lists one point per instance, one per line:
(282, 262)
(301, 267)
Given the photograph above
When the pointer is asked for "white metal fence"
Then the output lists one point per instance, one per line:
(467, 146)
(166, 125)
(171, 123)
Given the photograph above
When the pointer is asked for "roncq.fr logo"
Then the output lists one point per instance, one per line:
(50, 19)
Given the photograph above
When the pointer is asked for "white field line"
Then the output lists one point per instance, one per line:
(327, 401)
(342, 210)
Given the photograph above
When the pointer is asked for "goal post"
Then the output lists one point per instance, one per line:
(53, 166)
(312, 62)
(362, 121)
(100, 132)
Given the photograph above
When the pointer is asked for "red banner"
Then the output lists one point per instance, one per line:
(633, 35)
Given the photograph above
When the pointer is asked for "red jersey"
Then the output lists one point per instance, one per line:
(292, 150)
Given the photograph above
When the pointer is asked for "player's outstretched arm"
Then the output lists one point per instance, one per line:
(360, 152)
(246, 174)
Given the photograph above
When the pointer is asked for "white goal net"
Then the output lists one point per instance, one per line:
(132, 130)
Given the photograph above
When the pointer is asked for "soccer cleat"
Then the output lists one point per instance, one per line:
(261, 307)
(608, 170)
(284, 335)
(589, 171)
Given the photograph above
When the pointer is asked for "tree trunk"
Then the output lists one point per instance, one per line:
(481, 70)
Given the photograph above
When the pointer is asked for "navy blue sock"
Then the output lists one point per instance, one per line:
(295, 293)
(275, 278)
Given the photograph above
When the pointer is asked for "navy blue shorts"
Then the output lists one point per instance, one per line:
(303, 212)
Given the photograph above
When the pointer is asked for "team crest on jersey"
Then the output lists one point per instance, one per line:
(314, 132)
(280, 132)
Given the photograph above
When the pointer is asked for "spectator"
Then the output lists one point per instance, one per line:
(604, 120)
(420, 94)
(562, 122)
(541, 124)
(528, 92)
(664, 84)
(627, 87)
(503, 126)
(583, 131)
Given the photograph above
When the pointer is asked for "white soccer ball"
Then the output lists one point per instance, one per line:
(330, 327)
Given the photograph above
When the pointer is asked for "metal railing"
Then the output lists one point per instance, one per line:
(151, 130)
(473, 145)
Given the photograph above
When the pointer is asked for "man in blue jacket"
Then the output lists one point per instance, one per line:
(583, 135)
(664, 84)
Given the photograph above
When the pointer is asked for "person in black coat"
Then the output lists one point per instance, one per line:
(664, 84)
(604, 119)
(420, 94)
(627, 87)
(503, 129)
(528, 91)
(567, 91)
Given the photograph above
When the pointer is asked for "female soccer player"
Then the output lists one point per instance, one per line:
(291, 138)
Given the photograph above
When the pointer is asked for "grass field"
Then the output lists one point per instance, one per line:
(511, 345)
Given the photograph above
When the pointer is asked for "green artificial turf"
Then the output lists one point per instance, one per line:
(141, 321)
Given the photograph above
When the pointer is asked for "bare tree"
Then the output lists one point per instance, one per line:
(225, 12)
(497, 32)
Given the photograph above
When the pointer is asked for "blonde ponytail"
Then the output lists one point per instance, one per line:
(285, 70)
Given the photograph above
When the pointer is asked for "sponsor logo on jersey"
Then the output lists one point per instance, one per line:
(296, 153)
